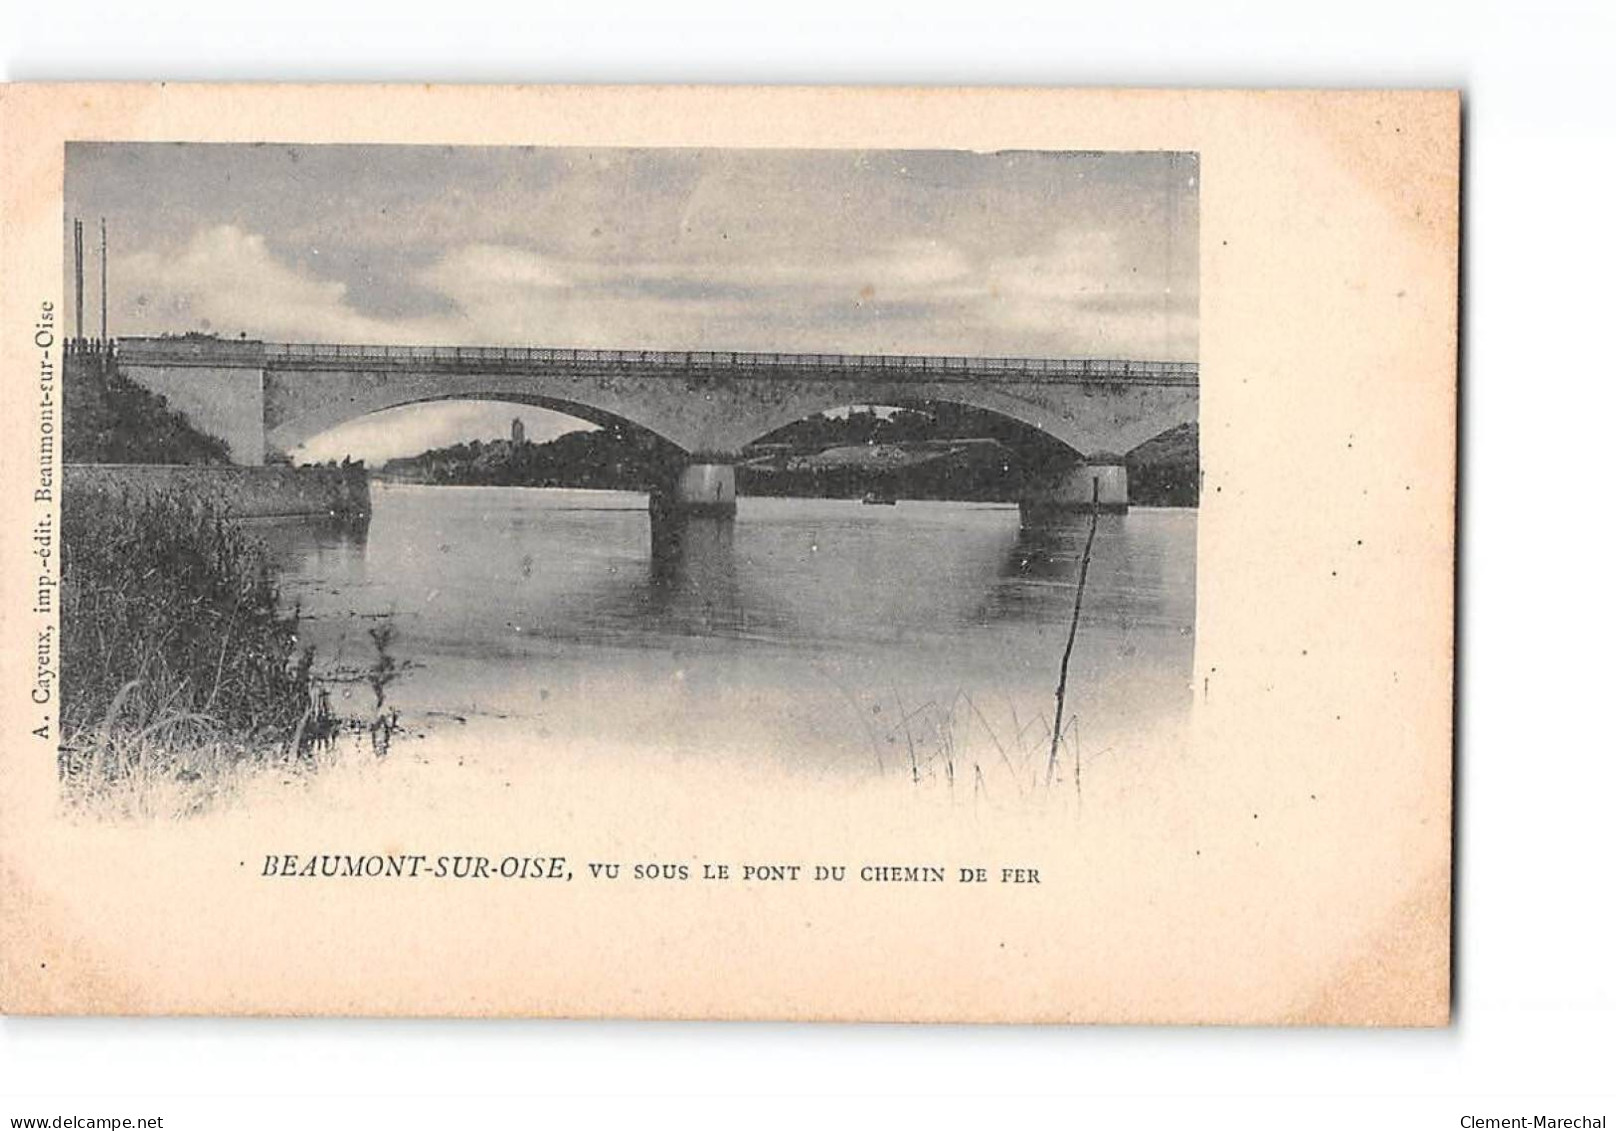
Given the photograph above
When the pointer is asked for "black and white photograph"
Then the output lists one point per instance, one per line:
(839, 467)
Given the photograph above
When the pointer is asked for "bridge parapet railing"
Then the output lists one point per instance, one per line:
(924, 367)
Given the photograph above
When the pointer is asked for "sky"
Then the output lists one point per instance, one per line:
(888, 251)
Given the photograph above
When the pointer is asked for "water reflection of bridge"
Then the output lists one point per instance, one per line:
(693, 579)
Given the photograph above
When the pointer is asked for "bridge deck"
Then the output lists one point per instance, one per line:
(758, 365)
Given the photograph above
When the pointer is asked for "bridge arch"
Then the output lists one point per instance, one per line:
(657, 449)
(1033, 423)
(1088, 420)
(294, 415)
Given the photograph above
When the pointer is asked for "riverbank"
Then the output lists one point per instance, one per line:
(237, 492)
(181, 665)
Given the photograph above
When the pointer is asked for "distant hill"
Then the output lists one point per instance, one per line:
(609, 459)
(968, 469)
(835, 457)
(1166, 471)
(110, 419)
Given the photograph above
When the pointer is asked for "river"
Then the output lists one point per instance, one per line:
(824, 637)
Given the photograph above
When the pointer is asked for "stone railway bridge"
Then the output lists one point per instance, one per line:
(264, 398)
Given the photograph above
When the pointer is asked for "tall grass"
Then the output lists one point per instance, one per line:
(977, 747)
(178, 658)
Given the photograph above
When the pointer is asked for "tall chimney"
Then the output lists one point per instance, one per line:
(78, 279)
(103, 280)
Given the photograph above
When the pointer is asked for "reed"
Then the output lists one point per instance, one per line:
(948, 740)
(179, 662)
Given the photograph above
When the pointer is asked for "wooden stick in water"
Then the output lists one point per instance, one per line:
(1071, 638)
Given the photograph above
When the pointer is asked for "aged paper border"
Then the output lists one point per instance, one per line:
(1294, 865)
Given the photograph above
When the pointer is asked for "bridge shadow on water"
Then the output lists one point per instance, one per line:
(1036, 575)
(800, 623)
(484, 573)
(693, 584)
(1129, 581)
(712, 576)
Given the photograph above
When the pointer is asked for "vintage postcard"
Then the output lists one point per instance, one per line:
(903, 555)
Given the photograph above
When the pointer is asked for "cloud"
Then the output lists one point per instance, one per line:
(902, 268)
(1077, 262)
(1081, 287)
(487, 277)
(228, 281)
(503, 294)
(497, 265)
(1043, 254)
(1092, 285)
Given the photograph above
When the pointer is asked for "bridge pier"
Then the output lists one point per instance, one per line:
(699, 487)
(1056, 499)
(693, 521)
